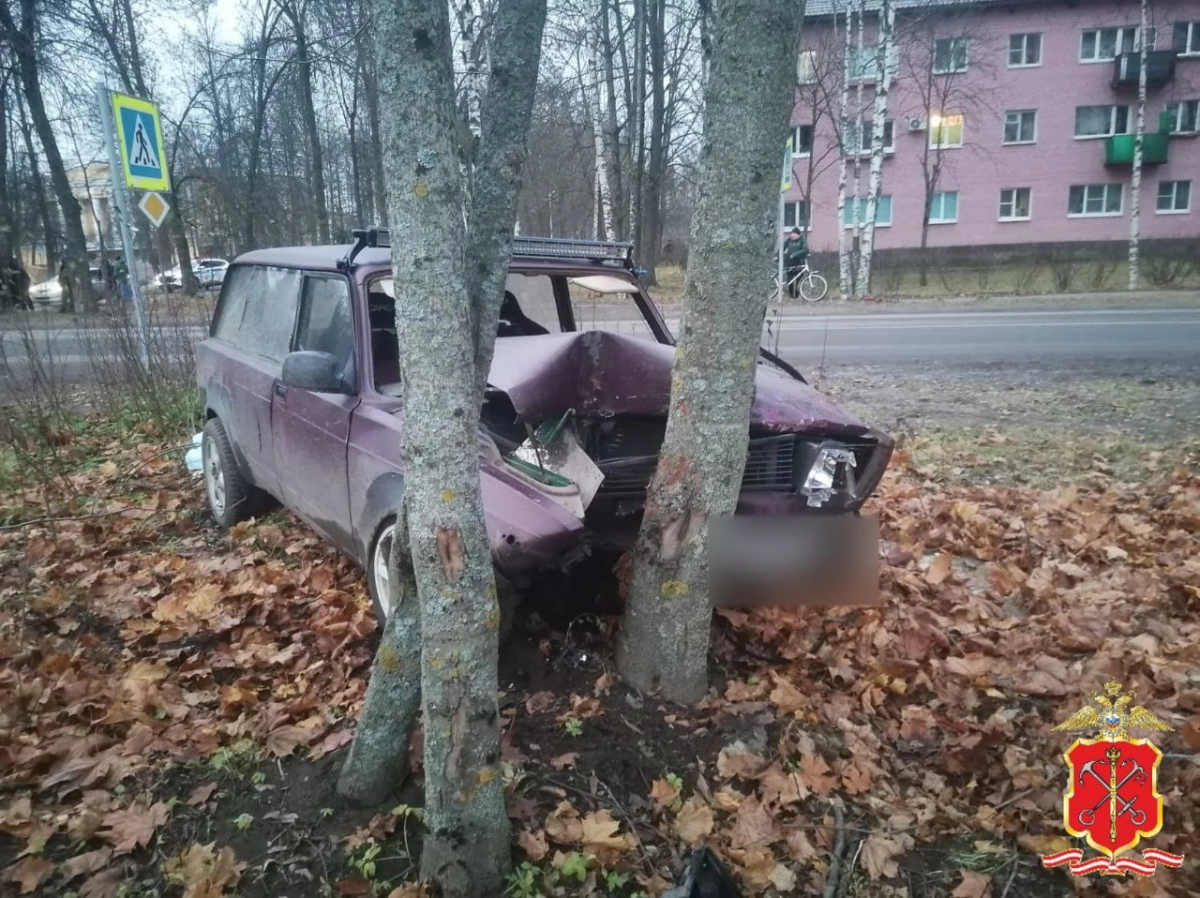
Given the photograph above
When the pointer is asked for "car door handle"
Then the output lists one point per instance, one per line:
(281, 390)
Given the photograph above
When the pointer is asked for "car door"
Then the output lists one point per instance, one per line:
(311, 430)
(255, 321)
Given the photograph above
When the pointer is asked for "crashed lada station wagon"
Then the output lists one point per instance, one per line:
(300, 382)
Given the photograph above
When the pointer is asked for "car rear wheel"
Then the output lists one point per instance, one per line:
(230, 497)
(379, 582)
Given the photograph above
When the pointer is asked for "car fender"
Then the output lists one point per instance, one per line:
(384, 496)
(219, 404)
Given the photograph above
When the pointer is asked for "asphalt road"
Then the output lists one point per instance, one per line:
(994, 337)
(923, 338)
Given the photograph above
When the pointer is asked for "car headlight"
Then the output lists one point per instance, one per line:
(832, 469)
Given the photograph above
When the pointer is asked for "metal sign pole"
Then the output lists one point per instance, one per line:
(121, 204)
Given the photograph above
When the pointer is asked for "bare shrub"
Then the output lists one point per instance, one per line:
(983, 278)
(1063, 269)
(1165, 269)
(1027, 275)
(1101, 274)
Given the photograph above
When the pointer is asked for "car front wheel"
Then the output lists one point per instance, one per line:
(379, 582)
(230, 497)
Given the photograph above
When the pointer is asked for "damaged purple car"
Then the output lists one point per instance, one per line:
(300, 384)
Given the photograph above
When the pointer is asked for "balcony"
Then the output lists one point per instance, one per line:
(1118, 150)
(1160, 68)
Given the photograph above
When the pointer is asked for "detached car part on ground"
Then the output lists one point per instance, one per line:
(300, 384)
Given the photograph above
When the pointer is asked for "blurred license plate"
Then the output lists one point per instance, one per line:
(775, 561)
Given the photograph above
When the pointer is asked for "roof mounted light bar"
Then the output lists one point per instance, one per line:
(538, 247)
(595, 250)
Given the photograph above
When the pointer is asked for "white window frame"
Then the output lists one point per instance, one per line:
(1174, 185)
(1112, 121)
(793, 206)
(878, 203)
(889, 147)
(1124, 34)
(1191, 44)
(1019, 112)
(939, 198)
(936, 123)
(1013, 204)
(1025, 43)
(1179, 107)
(871, 52)
(796, 152)
(1106, 187)
(954, 42)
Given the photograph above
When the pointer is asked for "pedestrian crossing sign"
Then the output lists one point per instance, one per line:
(140, 141)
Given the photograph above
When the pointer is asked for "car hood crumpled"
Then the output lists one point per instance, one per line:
(598, 373)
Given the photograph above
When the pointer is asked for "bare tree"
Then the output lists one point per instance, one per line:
(21, 38)
(884, 75)
(664, 636)
(444, 598)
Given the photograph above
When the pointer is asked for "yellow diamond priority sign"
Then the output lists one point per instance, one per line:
(155, 207)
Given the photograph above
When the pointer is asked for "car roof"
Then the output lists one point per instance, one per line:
(326, 258)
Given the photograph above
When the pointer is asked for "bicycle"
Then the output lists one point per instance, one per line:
(810, 284)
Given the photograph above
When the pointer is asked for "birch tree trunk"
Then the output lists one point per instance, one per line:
(1139, 148)
(884, 75)
(844, 274)
(444, 597)
(663, 643)
(856, 221)
(596, 105)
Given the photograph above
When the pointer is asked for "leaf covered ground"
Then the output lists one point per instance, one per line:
(174, 701)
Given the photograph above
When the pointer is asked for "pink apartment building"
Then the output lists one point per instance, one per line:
(1029, 106)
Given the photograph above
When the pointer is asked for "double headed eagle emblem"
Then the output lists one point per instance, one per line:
(1111, 715)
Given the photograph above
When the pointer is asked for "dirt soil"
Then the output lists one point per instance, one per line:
(175, 701)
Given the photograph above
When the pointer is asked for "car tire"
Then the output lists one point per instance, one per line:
(230, 497)
(377, 582)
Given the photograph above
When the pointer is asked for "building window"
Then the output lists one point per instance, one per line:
(945, 131)
(795, 215)
(1187, 39)
(1095, 199)
(1183, 116)
(1024, 50)
(859, 135)
(1174, 197)
(1020, 126)
(806, 67)
(1015, 203)
(1106, 44)
(943, 207)
(949, 55)
(1101, 121)
(802, 140)
(864, 62)
(883, 211)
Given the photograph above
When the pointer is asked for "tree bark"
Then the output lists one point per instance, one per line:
(663, 643)
(596, 106)
(49, 232)
(455, 617)
(884, 73)
(1139, 144)
(844, 276)
(652, 200)
(308, 114)
(21, 41)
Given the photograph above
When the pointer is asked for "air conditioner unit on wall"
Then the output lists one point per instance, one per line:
(916, 123)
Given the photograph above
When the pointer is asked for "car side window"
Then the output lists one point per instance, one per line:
(326, 324)
(258, 309)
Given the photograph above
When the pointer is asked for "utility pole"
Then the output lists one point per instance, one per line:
(1139, 141)
(121, 207)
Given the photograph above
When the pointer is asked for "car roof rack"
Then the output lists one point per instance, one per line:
(373, 238)
(537, 247)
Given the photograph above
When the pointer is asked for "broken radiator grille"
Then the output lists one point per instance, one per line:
(770, 461)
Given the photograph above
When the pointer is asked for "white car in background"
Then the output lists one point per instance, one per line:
(51, 290)
(209, 273)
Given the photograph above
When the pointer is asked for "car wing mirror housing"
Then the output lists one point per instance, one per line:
(317, 372)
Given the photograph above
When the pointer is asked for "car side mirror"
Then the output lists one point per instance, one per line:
(317, 372)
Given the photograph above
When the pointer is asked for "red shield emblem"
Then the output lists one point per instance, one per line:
(1112, 799)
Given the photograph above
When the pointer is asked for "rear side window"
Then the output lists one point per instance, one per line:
(325, 321)
(258, 309)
